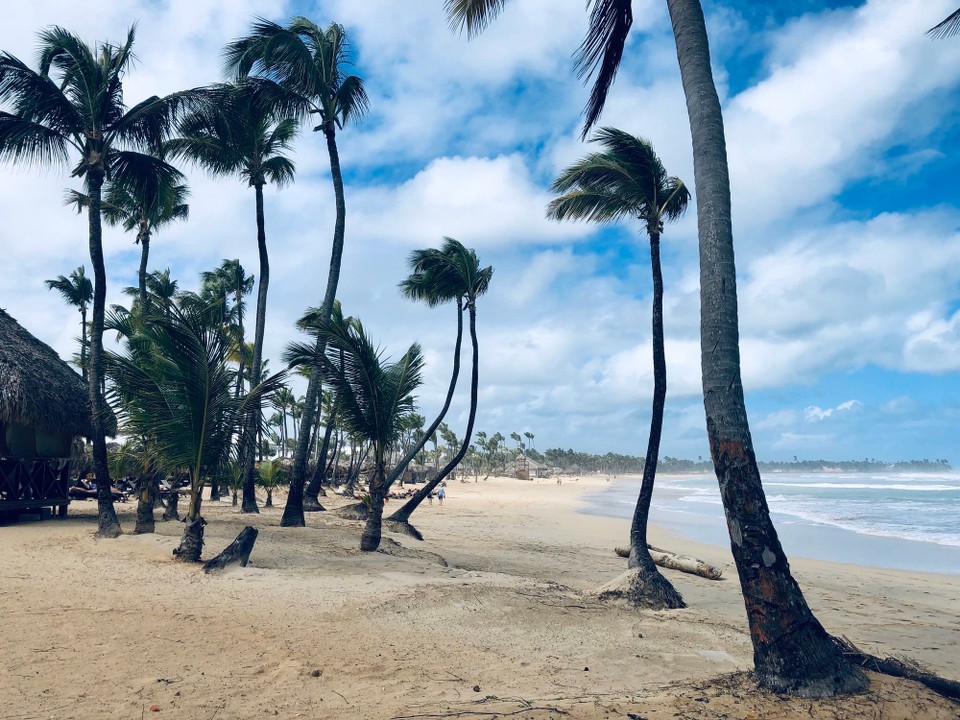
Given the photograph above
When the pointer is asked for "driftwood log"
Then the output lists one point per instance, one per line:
(683, 563)
(236, 552)
(898, 668)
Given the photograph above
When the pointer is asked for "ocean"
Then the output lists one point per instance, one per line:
(907, 521)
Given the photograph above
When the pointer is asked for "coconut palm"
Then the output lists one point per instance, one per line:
(459, 267)
(76, 290)
(792, 651)
(163, 289)
(74, 102)
(271, 475)
(628, 180)
(800, 659)
(949, 27)
(375, 396)
(309, 65)
(238, 134)
(149, 194)
(233, 278)
(174, 386)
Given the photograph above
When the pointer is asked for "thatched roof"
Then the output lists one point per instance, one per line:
(36, 386)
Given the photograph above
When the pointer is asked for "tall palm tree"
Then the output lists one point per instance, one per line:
(792, 652)
(627, 180)
(163, 288)
(309, 65)
(76, 290)
(375, 397)
(239, 134)
(235, 280)
(459, 266)
(174, 386)
(74, 102)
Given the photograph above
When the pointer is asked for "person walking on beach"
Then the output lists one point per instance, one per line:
(442, 493)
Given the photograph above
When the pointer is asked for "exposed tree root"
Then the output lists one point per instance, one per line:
(312, 504)
(898, 668)
(402, 527)
(648, 590)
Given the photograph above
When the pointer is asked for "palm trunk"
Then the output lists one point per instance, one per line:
(411, 454)
(249, 504)
(403, 514)
(293, 510)
(143, 237)
(791, 650)
(243, 350)
(146, 499)
(83, 341)
(311, 500)
(191, 542)
(370, 539)
(649, 588)
(108, 526)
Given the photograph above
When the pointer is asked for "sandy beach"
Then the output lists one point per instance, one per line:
(493, 615)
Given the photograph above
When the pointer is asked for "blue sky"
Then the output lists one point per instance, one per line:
(842, 128)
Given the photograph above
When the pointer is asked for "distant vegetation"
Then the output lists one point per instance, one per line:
(616, 464)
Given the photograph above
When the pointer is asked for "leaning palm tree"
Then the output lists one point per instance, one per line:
(76, 290)
(375, 397)
(174, 387)
(792, 651)
(458, 267)
(75, 103)
(241, 135)
(628, 180)
(309, 66)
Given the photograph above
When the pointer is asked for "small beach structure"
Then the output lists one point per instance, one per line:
(43, 407)
(526, 468)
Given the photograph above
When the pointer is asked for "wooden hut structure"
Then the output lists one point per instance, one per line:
(43, 406)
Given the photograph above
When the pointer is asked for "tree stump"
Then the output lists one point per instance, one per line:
(236, 552)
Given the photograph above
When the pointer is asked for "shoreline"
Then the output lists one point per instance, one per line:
(498, 596)
(802, 538)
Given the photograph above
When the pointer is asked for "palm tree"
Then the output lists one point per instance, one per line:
(309, 65)
(792, 652)
(949, 27)
(76, 290)
(234, 279)
(462, 264)
(529, 436)
(627, 179)
(144, 195)
(175, 387)
(163, 288)
(375, 397)
(80, 107)
(239, 134)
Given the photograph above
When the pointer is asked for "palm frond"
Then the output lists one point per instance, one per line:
(949, 27)
(600, 53)
(472, 15)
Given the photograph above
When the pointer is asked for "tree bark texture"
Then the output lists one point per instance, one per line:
(143, 237)
(293, 510)
(372, 531)
(191, 543)
(146, 499)
(249, 503)
(792, 651)
(108, 526)
(650, 588)
(236, 552)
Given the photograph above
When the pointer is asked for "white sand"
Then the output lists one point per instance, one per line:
(496, 597)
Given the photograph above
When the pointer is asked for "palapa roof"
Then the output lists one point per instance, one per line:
(36, 386)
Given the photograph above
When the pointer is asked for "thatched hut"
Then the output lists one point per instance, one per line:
(43, 406)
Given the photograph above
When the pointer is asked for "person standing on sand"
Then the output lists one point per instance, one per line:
(442, 493)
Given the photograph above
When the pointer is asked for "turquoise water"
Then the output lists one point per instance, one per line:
(905, 521)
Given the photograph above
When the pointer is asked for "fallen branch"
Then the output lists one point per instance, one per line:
(898, 668)
(673, 561)
(236, 552)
